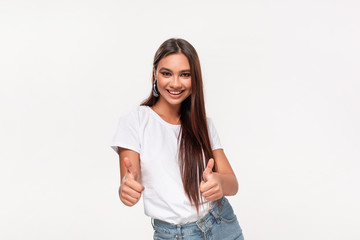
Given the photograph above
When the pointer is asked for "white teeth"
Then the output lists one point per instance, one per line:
(175, 93)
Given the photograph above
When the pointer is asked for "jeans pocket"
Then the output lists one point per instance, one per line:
(226, 213)
(158, 235)
(228, 219)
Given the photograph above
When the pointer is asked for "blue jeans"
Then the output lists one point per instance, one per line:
(219, 224)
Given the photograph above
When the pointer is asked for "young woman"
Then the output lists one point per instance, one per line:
(171, 154)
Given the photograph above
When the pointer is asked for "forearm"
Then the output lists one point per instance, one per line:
(229, 183)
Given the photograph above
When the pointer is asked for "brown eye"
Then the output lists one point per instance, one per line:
(185, 74)
(166, 74)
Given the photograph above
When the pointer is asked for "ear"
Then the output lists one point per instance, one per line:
(154, 73)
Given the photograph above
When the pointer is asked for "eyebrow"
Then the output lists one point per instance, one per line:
(166, 69)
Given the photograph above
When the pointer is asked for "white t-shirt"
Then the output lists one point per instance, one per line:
(145, 132)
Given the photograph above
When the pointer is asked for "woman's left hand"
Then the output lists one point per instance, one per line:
(210, 187)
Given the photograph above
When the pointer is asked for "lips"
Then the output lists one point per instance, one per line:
(175, 92)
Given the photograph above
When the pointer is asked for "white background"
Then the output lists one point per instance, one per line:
(281, 85)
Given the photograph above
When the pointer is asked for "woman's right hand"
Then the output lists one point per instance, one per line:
(130, 189)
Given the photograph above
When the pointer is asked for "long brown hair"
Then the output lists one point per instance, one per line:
(194, 149)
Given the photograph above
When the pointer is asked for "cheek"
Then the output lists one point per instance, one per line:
(160, 83)
(189, 85)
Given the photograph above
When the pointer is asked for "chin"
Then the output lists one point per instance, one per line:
(175, 103)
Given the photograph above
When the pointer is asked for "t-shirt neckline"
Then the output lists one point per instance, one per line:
(157, 116)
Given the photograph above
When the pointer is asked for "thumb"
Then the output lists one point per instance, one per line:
(208, 169)
(130, 168)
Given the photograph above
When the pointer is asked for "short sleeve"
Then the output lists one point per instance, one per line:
(127, 132)
(214, 137)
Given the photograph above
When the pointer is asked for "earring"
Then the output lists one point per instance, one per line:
(155, 90)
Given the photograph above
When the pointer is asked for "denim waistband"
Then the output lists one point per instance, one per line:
(200, 225)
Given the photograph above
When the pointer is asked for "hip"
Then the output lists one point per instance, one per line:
(219, 223)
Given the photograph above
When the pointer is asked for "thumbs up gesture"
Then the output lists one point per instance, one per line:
(130, 189)
(210, 186)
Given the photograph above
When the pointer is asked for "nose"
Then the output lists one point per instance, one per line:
(175, 82)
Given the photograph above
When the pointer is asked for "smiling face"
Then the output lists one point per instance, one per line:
(173, 79)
